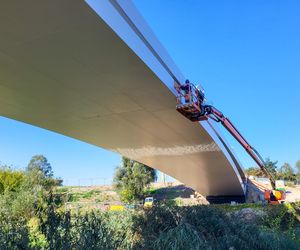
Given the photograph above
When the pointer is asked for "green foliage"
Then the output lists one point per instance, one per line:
(132, 178)
(183, 236)
(55, 226)
(40, 172)
(254, 171)
(39, 163)
(31, 217)
(93, 230)
(10, 180)
(298, 169)
(237, 207)
(179, 202)
(23, 192)
(286, 172)
(128, 195)
(36, 237)
(74, 197)
(121, 228)
(20, 201)
(204, 227)
(14, 233)
(62, 190)
(90, 232)
(90, 194)
(281, 218)
(271, 166)
(199, 227)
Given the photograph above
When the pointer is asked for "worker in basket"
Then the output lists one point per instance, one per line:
(186, 88)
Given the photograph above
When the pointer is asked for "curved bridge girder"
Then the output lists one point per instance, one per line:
(82, 70)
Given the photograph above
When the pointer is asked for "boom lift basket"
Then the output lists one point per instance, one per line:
(188, 104)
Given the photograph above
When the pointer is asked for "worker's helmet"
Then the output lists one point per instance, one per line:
(187, 81)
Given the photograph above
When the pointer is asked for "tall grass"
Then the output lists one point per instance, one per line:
(198, 227)
(204, 227)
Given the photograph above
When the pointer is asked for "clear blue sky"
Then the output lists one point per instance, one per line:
(246, 54)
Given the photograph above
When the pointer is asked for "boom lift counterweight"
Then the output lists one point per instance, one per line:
(191, 104)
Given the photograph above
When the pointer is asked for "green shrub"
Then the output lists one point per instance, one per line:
(10, 180)
(90, 194)
(199, 227)
(74, 197)
(90, 232)
(183, 236)
(206, 227)
(280, 218)
(14, 233)
(62, 190)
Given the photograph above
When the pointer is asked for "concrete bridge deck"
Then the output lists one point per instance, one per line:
(82, 69)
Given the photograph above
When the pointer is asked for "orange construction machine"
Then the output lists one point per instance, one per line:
(191, 103)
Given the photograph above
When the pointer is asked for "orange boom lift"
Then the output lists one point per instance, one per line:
(191, 103)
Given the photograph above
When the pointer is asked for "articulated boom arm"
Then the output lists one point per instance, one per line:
(218, 116)
(191, 104)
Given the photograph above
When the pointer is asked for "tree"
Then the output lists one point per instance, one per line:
(22, 192)
(39, 171)
(298, 169)
(41, 164)
(271, 166)
(131, 178)
(254, 171)
(286, 172)
(298, 166)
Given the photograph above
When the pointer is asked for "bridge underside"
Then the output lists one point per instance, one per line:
(64, 69)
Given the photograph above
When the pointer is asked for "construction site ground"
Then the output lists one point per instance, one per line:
(101, 197)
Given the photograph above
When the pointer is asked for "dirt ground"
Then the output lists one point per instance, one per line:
(293, 194)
